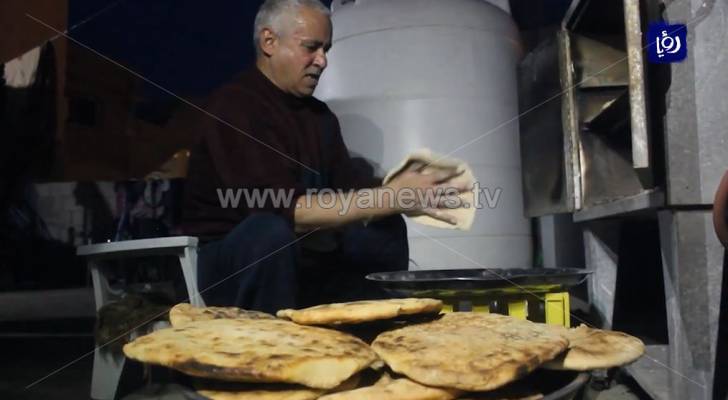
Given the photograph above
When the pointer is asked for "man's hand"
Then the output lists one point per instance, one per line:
(419, 193)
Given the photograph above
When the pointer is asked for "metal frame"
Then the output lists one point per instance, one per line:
(108, 367)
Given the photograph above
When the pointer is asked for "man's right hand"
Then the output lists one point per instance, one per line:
(437, 184)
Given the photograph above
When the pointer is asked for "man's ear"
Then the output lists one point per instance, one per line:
(268, 41)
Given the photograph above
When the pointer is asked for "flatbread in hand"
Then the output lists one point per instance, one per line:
(397, 389)
(597, 349)
(469, 351)
(361, 311)
(184, 313)
(434, 162)
(255, 350)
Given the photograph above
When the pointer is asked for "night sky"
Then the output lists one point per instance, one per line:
(186, 46)
(190, 47)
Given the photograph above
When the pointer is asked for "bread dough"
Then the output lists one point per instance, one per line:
(464, 215)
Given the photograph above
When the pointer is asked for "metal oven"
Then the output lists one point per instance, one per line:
(628, 154)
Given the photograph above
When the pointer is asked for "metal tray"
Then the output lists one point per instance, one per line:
(478, 282)
(555, 385)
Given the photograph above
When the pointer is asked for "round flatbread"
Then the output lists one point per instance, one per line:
(597, 349)
(360, 311)
(397, 389)
(184, 313)
(255, 350)
(469, 351)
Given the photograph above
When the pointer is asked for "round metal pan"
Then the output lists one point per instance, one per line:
(552, 385)
(561, 385)
(571, 389)
(458, 282)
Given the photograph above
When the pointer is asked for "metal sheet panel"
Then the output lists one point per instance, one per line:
(696, 137)
(693, 266)
(547, 184)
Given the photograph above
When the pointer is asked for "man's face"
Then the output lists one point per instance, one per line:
(298, 54)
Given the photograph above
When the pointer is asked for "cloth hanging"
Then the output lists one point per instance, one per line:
(21, 72)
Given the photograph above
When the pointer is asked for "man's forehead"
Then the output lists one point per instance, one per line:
(309, 24)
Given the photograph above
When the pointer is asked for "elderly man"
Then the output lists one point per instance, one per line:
(277, 139)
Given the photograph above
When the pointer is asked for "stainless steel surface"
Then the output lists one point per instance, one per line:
(693, 266)
(696, 137)
(660, 159)
(601, 248)
(587, 159)
(650, 372)
(637, 93)
(605, 108)
(547, 181)
(570, 122)
(606, 166)
(692, 261)
(638, 203)
(599, 63)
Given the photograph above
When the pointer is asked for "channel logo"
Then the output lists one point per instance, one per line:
(667, 43)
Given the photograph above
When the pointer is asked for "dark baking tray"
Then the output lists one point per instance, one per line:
(459, 282)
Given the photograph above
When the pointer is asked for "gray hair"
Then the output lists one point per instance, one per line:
(269, 14)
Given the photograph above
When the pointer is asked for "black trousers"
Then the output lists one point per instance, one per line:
(260, 266)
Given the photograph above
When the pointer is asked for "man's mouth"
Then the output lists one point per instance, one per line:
(314, 76)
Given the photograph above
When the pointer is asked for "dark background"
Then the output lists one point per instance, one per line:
(189, 46)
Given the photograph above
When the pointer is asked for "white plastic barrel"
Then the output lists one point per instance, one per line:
(408, 74)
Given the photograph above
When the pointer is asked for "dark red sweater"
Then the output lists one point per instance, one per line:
(278, 129)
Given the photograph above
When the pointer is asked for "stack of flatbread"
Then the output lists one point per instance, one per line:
(251, 355)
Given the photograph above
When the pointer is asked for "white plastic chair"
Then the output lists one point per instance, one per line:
(108, 367)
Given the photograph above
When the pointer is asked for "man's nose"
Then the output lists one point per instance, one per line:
(320, 60)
